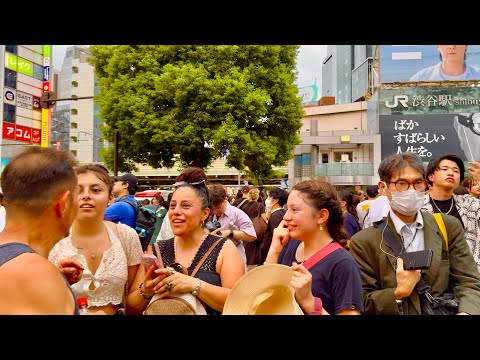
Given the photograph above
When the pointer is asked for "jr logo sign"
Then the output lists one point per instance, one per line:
(402, 99)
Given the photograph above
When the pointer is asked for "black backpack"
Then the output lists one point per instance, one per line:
(144, 223)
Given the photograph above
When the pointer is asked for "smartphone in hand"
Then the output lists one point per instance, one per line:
(149, 260)
(417, 260)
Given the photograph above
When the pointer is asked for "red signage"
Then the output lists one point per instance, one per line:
(46, 86)
(21, 133)
(36, 136)
(8, 131)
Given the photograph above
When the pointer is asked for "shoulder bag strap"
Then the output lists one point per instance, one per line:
(159, 254)
(320, 254)
(441, 225)
(243, 202)
(205, 257)
(388, 235)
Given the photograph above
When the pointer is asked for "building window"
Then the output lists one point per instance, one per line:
(74, 83)
(74, 138)
(11, 48)
(11, 78)
(73, 125)
(324, 158)
(74, 152)
(74, 69)
(74, 111)
(9, 113)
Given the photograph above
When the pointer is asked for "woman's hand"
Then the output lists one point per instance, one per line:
(151, 279)
(72, 270)
(280, 236)
(173, 281)
(302, 284)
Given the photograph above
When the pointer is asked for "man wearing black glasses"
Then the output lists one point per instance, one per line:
(389, 289)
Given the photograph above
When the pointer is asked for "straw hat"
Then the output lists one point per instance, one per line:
(175, 304)
(264, 290)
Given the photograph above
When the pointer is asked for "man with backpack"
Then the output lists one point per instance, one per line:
(127, 210)
(124, 188)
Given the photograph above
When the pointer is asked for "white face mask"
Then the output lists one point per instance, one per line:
(268, 204)
(407, 202)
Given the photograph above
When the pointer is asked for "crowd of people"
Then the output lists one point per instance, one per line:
(344, 249)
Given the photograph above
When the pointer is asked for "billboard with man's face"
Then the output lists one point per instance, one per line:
(417, 63)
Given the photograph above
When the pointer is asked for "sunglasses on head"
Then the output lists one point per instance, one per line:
(178, 268)
(180, 183)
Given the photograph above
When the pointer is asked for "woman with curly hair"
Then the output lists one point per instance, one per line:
(314, 221)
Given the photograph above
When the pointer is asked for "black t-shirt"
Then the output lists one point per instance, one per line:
(275, 219)
(447, 207)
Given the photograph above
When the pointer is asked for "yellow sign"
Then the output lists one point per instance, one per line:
(45, 121)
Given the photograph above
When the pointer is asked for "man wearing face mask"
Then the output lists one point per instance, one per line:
(389, 289)
(277, 198)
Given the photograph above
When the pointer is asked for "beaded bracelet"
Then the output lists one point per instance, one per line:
(146, 297)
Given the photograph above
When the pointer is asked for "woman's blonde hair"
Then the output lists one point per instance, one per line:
(253, 194)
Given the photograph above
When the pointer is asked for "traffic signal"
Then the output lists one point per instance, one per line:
(47, 100)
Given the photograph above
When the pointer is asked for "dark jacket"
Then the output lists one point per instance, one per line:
(458, 273)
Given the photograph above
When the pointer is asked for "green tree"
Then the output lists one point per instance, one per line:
(188, 103)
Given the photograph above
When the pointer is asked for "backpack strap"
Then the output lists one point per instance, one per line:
(441, 225)
(136, 207)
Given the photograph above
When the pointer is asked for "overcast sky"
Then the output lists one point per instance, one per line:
(309, 62)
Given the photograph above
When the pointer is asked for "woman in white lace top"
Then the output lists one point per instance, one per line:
(110, 253)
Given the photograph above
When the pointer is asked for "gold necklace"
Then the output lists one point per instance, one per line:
(93, 255)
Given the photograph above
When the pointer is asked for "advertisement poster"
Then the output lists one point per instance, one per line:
(431, 121)
(431, 63)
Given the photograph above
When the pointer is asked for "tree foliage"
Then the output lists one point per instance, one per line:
(188, 103)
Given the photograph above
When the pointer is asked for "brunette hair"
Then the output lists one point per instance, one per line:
(99, 171)
(193, 174)
(323, 195)
(218, 193)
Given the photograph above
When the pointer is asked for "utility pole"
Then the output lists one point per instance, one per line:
(48, 100)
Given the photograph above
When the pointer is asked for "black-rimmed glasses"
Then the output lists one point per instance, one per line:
(402, 185)
(180, 183)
